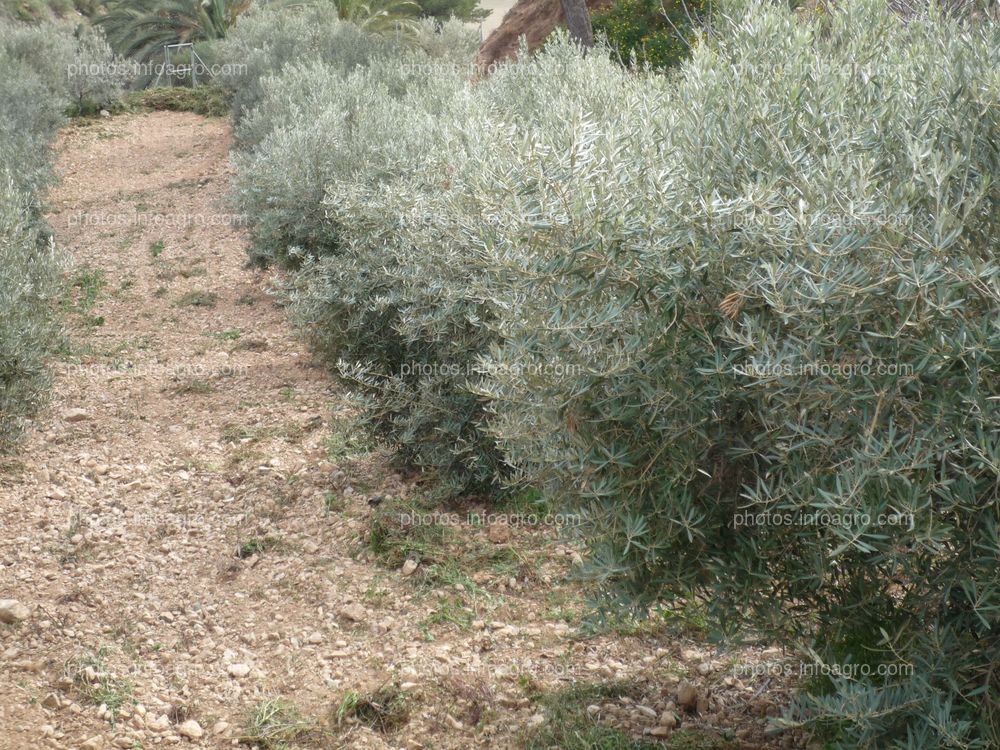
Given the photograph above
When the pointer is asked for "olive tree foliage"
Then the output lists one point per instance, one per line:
(76, 64)
(267, 39)
(744, 319)
(48, 70)
(754, 337)
(324, 136)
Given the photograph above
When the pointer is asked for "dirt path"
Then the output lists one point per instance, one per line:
(186, 520)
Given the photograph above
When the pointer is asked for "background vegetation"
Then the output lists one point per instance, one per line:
(650, 32)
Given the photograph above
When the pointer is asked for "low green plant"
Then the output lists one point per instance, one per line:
(277, 724)
(96, 682)
(256, 545)
(383, 710)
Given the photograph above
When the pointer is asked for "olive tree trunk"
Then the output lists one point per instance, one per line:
(578, 22)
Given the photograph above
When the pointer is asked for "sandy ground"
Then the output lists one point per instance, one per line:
(185, 524)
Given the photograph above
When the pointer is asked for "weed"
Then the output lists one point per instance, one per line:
(230, 334)
(375, 594)
(193, 387)
(333, 503)
(256, 545)
(198, 298)
(156, 248)
(450, 611)
(397, 532)
(383, 710)
(274, 724)
(346, 439)
(86, 286)
(97, 684)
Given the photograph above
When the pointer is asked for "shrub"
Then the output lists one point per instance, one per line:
(765, 288)
(757, 329)
(325, 129)
(27, 271)
(650, 32)
(27, 286)
(266, 39)
(409, 300)
(324, 138)
(42, 78)
(76, 65)
(96, 77)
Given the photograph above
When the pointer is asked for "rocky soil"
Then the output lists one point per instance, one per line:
(186, 559)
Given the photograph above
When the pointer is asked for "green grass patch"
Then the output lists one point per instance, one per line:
(85, 287)
(256, 545)
(208, 100)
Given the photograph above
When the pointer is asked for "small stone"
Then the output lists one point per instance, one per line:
(12, 611)
(238, 670)
(498, 533)
(75, 415)
(646, 711)
(125, 742)
(668, 719)
(409, 567)
(315, 638)
(220, 727)
(50, 701)
(105, 113)
(94, 743)
(687, 696)
(160, 724)
(354, 613)
(191, 729)
(661, 731)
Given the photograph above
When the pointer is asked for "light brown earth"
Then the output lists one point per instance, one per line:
(180, 434)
